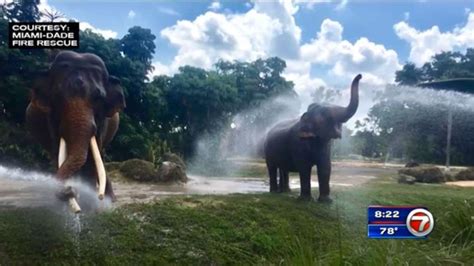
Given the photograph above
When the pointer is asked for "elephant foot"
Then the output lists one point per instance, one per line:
(113, 198)
(325, 199)
(273, 190)
(305, 198)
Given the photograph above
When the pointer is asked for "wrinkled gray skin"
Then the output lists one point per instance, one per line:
(75, 99)
(298, 145)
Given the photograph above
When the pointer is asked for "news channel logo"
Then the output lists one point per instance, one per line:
(395, 222)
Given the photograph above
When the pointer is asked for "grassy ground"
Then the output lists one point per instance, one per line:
(247, 229)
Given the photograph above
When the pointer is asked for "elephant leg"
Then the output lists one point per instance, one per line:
(109, 191)
(272, 172)
(305, 181)
(88, 172)
(324, 174)
(284, 181)
(90, 177)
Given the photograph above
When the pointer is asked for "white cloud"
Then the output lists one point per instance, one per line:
(214, 6)
(309, 4)
(214, 36)
(425, 44)
(168, 11)
(406, 16)
(131, 14)
(342, 4)
(346, 59)
(105, 33)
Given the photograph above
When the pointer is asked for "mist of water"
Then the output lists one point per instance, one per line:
(35, 189)
(243, 137)
(432, 97)
(31, 189)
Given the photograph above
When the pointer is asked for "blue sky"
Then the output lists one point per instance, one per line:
(324, 43)
(371, 19)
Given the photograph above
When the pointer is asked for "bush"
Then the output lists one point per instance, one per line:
(467, 174)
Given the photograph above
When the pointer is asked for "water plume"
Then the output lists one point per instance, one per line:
(21, 188)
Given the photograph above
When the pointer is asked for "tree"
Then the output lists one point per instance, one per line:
(138, 45)
(23, 10)
(52, 15)
(409, 75)
(446, 65)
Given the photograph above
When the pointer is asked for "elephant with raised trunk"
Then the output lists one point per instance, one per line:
(74, 113)
(298, 145)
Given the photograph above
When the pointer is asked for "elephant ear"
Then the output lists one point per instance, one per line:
(40, 98)
(115, 98)
(306, 126)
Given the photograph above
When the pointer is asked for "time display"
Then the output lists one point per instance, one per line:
(398, 222)
(387, 214)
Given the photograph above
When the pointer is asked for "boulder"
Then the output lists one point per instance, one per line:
(424, 174)
(406, 179)
(139, 170)
(466, 174)
(412, 164)
(171, 172)
(174, 158)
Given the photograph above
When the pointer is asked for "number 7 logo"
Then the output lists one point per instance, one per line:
(420, 222)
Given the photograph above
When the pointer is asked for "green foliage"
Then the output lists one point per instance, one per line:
(138, 45)
(23, 10)
(445, 65)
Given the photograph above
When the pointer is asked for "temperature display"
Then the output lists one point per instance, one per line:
(399, 222)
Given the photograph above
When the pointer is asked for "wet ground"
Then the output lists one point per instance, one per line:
(27, 189)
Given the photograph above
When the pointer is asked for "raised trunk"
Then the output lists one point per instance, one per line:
(343, 114)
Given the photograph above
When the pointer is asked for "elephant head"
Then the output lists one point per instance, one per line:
(78, 95)
(326, 121)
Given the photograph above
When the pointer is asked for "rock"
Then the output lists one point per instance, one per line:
(171, 172)
(406, 179)
(412, 164)
(466, 174)
(174, 158)
(112, 166)
(139, 170)
(424, 174)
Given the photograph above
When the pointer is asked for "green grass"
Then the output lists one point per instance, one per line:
(247, 229)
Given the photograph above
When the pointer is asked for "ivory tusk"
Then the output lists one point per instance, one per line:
(99, 165)
(61, 159)
(62, 152)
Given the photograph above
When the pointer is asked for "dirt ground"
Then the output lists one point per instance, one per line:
(29, 189)
(26, 189)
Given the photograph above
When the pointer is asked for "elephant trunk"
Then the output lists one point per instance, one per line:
(347, 112)
(76, 129)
